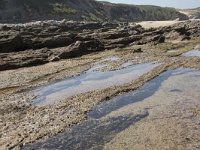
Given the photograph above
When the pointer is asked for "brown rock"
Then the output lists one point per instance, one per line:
(80, 48)
(10, 41)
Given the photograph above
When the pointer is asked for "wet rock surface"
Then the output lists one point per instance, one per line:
(171, 110)
(123, 100)
(111, 119)
(90, 134)
(22, 123)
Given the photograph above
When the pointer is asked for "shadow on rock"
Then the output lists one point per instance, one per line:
(90, 134)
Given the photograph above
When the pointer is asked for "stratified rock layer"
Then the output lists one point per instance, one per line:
(42, 42)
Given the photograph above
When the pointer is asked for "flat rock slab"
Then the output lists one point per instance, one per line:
(112, 122)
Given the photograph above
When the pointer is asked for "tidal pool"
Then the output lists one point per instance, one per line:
(101, 127)
(146, 91)
(192, 53)
(89, 81)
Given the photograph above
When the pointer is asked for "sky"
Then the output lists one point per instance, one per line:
(164, 3)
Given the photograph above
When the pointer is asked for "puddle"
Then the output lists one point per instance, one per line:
(101, 128)
(144, 92)
(91, 134)
(89, 81)
(132, 97)
(192, 53)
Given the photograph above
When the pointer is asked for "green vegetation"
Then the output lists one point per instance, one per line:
(192, 13)
(93, 17)
(132, 12)
(88, 17)
(159, 13)
(48, 6)
(88, 10)
(62, 8)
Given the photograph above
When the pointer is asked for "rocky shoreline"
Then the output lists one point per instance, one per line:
(39, 43)
(46, 53)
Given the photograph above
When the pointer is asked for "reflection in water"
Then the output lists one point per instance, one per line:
(89, 81)
(141, 94)
(192, 53)
(128, 98)
(98, 130)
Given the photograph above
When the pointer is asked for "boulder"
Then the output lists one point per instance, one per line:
(80, 48)
(24, 59)
(56, 41)
(10, 42)
(161, 39)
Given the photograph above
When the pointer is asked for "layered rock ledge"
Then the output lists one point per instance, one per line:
(36, 43)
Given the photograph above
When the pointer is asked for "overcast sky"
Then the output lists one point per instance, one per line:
(165, 3)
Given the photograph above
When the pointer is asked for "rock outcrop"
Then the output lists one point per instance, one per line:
(38, 43)
(191, 13)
